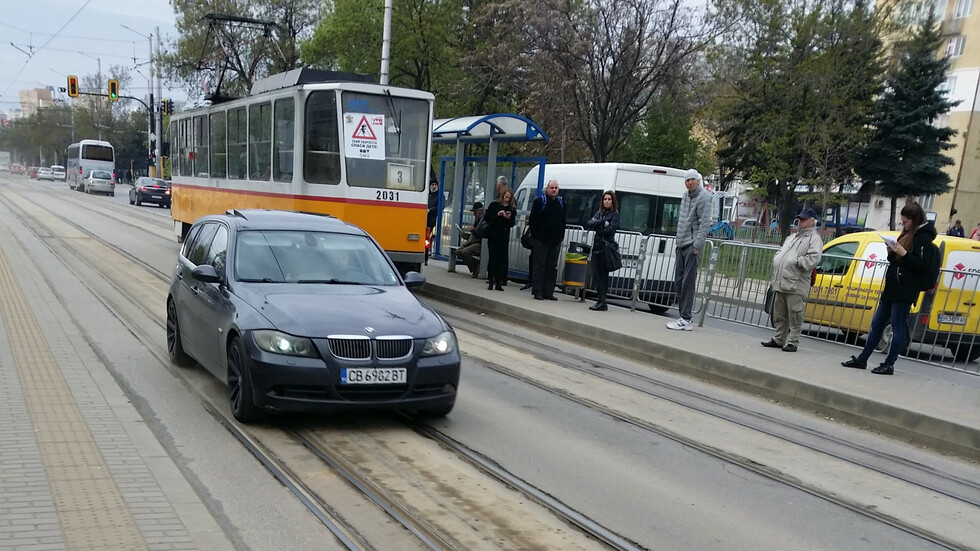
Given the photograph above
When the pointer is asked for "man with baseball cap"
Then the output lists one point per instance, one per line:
(792, 270)
(469, 251)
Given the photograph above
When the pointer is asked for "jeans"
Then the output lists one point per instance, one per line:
(897, 313)
(685, 280)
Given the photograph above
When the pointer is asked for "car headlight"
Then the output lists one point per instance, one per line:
(443, 343)
(281, 343)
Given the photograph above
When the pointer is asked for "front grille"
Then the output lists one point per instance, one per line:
(350, 348)
(354, 347)
(393, 348)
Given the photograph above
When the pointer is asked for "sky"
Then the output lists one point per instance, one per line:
(69, 37)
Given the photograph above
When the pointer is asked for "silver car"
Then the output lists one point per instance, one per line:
(58, 173)
(44, 173)
(98, 181)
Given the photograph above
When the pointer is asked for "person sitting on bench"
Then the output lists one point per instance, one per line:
(469, 251)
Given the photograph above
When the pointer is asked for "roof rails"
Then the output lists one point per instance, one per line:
(236, 213)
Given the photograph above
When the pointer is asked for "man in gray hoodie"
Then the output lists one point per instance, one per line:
(693, 223)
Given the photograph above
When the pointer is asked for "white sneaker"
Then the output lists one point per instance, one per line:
(680, 324)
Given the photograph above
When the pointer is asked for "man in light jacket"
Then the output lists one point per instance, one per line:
(792, 268)
(693, 223)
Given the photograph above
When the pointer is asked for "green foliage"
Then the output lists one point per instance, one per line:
(905, 155)
(803, 78)
(664, 138)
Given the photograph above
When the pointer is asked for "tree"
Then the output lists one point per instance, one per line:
(664, 138)
(905, 155)
(234, 52)
(803, 78)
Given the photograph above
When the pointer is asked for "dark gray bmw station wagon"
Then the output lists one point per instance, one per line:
(305, 313)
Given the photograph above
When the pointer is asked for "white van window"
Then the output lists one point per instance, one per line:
(648, 214)
(580, 205)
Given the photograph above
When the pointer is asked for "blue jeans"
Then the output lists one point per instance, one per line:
(888, 311)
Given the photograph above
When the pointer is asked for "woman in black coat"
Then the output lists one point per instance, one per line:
(501, 216)
(909, 260)
(605, 223)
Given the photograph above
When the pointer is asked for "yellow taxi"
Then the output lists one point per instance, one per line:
(851, 276)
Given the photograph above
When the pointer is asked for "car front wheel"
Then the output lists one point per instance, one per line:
(240, 384)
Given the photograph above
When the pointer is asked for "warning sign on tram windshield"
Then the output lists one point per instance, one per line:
(364, 135)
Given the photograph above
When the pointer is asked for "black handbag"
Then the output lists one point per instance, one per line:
(526, 240)
(614, 260)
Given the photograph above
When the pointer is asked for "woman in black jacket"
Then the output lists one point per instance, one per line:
(502, 216)
(605, 223)
(909, 260)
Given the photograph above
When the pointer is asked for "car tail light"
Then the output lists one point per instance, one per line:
(143, 188)
(924, 319)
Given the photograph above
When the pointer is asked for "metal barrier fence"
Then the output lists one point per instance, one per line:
(941, 328)
(733, 285)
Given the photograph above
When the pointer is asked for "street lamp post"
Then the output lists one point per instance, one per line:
(154, 111)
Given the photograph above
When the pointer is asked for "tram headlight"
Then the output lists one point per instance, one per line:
(443, 343)
(277, 342)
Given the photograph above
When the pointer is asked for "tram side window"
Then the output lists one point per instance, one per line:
(219, 168)
(260, 141)
(186, 151)
(321, 163)
(201, 146)
(175, 159)
(237, 144)
(282, 160)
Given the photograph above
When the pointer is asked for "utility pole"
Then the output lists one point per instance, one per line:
(386, 44)
(159, 113)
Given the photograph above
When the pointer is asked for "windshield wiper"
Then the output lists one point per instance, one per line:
(330, 281)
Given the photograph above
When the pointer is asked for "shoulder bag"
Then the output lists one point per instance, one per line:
(614, 260)
(526, 240)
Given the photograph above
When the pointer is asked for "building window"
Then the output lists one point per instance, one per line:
(925, 201)
(963, 8)
(942, 121)
(954, 46)
(947, 86)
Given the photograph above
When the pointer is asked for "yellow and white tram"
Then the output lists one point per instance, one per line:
(306, 141)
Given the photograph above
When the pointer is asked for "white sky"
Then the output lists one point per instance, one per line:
(96, 30)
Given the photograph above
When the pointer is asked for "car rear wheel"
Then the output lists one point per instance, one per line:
(174, 347)
(240, 384)
(139, 203)
(965, 352)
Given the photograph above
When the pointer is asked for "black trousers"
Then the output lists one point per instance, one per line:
(545, 273)
(496, 262)
(600, 277)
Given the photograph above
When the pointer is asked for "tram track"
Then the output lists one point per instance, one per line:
(121, 303)
(953, 487)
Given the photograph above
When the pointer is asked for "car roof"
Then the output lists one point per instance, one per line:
(263, 219)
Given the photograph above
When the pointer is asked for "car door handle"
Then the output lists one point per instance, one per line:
(838, 285)
(195, 290)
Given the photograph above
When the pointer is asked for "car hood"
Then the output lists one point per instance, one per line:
(318, 310)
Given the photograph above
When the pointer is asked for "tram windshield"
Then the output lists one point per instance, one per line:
(385, 141)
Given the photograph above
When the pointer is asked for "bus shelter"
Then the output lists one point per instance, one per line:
(465, 179)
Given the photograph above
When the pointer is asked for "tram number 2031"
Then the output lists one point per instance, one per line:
(386, 195)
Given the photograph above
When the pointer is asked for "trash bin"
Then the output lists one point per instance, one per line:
(576, 265)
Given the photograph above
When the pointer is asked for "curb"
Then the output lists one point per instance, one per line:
(918, 428)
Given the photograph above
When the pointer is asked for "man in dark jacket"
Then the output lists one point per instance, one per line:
(469, 251)
(547, 221)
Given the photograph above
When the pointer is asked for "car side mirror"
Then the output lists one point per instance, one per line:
(206, 273)
(414, 280)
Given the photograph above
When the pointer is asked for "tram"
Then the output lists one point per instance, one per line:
(311, 141)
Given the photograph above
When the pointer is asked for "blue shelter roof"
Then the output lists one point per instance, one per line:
(503, 127)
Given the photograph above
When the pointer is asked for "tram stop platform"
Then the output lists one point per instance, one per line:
(79, 468)
(923, 404)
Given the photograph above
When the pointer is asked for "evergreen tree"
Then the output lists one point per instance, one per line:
(904, 157)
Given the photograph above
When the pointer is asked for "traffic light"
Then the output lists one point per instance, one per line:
(72, 86)
(113, 89)
(166, 107)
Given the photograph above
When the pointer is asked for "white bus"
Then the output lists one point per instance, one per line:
(88, 155)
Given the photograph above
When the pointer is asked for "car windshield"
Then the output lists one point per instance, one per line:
(101, 175)
(305, 257)
(153, 182)
(45, 170)
(57, 168)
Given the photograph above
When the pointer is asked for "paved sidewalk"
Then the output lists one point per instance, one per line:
(79, 469)
(923, 404)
